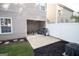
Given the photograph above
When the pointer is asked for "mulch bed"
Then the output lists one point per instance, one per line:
(55, 49)
(12, 40)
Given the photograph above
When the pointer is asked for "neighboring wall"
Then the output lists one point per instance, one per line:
(65, 31)
(51, 12)
(60, 14)
(65, 15)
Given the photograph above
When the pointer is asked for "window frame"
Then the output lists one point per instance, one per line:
(41, 6)
(6, 25)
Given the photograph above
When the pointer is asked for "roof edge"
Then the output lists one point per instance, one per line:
(65, 7)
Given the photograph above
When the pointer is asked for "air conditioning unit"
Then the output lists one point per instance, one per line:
(72, 49)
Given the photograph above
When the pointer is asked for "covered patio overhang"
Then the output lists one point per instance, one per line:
(34, 25)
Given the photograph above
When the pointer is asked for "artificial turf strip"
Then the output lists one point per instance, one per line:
(17, 49)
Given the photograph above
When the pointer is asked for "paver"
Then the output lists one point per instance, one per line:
(37, 41)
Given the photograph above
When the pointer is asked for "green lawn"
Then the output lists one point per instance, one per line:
(17, 49)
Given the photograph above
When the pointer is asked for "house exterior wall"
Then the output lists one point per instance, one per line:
(19, 18)
(35, 12)
(18, 25)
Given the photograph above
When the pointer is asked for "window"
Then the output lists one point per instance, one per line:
(66, 21)
(62, 21)
(42, 6)
(59, 12)
(5, 6)
(5, 25)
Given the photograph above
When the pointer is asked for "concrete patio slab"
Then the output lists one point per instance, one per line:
(38, 41)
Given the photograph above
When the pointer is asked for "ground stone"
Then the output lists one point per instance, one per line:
(7, 42)
(15, 40)
(0, 42)
(21, 40)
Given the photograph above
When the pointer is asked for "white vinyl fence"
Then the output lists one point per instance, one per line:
(66, 31)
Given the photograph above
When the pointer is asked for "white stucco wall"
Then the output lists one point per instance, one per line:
(66, 31)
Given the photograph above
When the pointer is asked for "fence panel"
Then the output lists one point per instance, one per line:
(66, 31)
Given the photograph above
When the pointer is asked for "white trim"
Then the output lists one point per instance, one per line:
(0, 29)
(56, 13)
(6, 25)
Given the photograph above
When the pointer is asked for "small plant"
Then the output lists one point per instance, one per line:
(76, 18)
